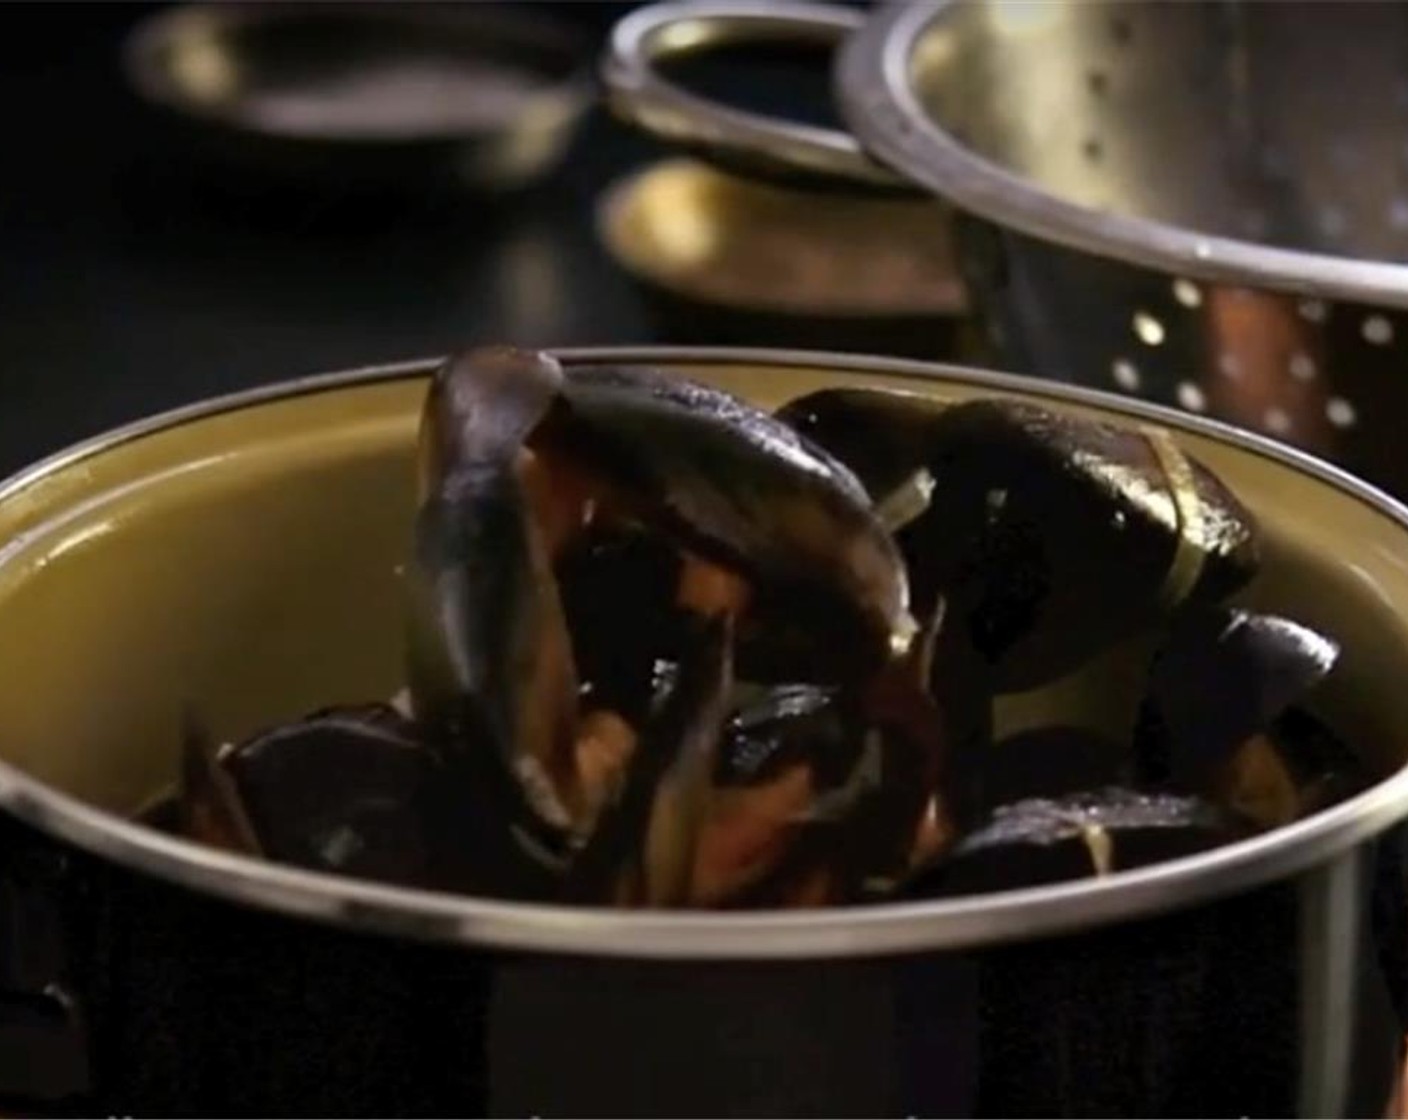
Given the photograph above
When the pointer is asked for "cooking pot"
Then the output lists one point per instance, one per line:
(238, 557)
(1202, 204)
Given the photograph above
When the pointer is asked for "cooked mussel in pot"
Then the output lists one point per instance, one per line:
(665, 648)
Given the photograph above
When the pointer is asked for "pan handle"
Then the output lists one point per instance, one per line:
(751, 142)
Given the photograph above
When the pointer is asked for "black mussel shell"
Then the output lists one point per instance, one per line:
(884, 437)
(1221, 676)
(642, 849)
(618, 588)
(346, 790)
(1057, 536)
(1052, 536)
(1321, 764)
(1053, 761)
(1048, 840)
(480, 408)
(960, 682)
(207, 805)
(778, 727)
(488, 656)
(733, 484)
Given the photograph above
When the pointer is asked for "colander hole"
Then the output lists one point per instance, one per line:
(1230, 366)
(1398, 214)
(1377, 330)
(1187, 293)
(1125, 373)
(1302, 367)
(1340, 412)
(1120, 30)
(1093, 149)
(1191, 397)
(1312, 310)
(1148, 329)
(1098, 82)
(1277, 421)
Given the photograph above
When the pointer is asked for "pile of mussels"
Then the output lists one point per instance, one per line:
(667, 649)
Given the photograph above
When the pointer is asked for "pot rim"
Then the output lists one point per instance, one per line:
(882, 109)
(872, 930)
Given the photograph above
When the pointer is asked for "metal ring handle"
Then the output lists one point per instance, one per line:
(638, 93)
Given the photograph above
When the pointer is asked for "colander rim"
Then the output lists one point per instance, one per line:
(882, 109)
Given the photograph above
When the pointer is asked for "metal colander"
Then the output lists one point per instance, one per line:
(1200, 203)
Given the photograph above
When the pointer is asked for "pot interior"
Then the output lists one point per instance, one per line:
(243, 565)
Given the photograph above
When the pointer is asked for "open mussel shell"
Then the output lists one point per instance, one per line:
(1051, 839)
(488, 654)
(618, 588)
(1222, 676)
(1323, 767)
(730, 483)
(643, 848)
(784, 763)
(1211, 721)
(1052, 536)
(208, 806)
(347, 790)
(781, 725)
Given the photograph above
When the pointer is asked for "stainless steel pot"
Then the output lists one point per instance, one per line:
(1204, 204)
(240, 555)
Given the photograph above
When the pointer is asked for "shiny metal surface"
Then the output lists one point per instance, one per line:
(638, 92)
(1205, 204)
(724, 239)
(861, 932)
(366, 92)
(1192, 137)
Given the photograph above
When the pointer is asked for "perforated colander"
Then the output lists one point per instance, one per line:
(1200, 203)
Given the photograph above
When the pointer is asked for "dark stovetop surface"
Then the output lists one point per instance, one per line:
(129, 285)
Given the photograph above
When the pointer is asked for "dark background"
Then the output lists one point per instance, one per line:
(132, 281)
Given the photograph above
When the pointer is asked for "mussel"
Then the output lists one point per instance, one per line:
(1098, 832)
(1051, 536)
(348, 790)
(1215, 688)
(663, 648)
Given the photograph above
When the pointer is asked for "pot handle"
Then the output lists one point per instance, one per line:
(753, 143)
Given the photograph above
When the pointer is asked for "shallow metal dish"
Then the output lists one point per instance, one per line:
(357, 95)
(240, 555)
(726, 259)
